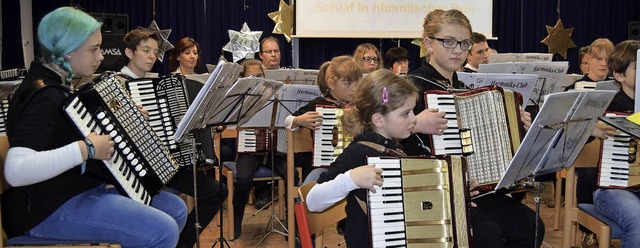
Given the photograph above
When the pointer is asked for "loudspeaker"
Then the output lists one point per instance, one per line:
(113, 23)
(634, 30)
(113, 52)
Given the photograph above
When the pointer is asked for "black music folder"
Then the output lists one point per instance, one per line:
(558, 134)
(622, 124)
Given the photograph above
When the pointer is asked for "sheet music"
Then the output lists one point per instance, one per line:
(209, 98)
(210, 68)
(569, 79)
(521, 83)
(291, 97)
(293, 76)
(550, 75)
(557, 134)
(257, 92)
(520, 57)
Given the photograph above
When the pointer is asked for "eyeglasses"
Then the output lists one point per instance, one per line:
(271, 51)
(369, 59)
(465, 45)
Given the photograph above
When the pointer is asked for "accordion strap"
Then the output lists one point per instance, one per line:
(383, 149)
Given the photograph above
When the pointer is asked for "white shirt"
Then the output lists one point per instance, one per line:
(468, 66)
(126, 71)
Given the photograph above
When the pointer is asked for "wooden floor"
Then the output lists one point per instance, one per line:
(254, 225)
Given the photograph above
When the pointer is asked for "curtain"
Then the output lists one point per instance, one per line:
(518, 24)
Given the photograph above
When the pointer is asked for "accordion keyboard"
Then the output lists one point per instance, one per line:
(140, 164)
(449, 143)
(167, 102)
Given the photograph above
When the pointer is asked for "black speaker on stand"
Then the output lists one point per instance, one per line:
(634, 30)
(114, 27)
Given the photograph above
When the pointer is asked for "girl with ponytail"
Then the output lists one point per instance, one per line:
(381, 114)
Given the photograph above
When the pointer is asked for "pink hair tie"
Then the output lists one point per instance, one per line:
(385, 95)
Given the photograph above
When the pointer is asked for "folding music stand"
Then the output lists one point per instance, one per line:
(556, 136)
(272, 117)
(221, 102)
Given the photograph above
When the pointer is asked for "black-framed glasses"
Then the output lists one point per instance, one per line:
(465, 45)
(369, 59)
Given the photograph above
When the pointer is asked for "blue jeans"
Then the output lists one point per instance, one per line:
(621, 206)
(103, 214)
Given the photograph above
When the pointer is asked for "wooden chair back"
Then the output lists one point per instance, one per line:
(318, 221)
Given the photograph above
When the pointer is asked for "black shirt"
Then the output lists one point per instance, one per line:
(36, 121)
(357, 226)
(328, 100)
(426, 78)
(621, 103)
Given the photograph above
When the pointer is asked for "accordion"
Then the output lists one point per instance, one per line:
(329, 140)
(619, 166)
(492, 116)
(4, 114)
(167, 101)
(422, 203)
(140, 165)
(257, 140)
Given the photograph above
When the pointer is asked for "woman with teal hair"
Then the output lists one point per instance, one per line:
(60, 188)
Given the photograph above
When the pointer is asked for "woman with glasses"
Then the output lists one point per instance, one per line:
(368, 57)
(498, 220)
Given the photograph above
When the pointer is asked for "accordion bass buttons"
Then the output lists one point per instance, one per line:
(633, 144)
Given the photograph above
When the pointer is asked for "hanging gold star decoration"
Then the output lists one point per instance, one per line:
(163, 44)
(243, 44)
(559, 39)
(283, 19)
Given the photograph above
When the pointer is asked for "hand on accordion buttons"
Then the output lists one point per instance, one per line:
(144, 112)
(430, 121)
(310, 119)
(367, 176)
(103, 145)
(525, 117)
(473, 183)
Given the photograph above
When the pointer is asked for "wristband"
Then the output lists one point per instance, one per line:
(90, 148)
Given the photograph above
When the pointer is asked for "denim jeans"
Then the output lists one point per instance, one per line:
(103, 214)
(621, 206)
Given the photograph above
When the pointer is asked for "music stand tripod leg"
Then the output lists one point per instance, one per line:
(271, 226)
(221, 240)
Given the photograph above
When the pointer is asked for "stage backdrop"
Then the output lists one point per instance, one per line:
(381, 18)
(519, 25)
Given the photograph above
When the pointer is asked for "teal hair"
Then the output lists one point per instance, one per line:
(63, 31)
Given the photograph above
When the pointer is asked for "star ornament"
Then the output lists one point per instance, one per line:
(163, 44)
(283, 19)
(559, 39)
(243, 44)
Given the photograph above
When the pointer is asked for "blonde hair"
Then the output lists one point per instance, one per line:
(341, 67)
(434, 21)
(369, 99)
(361, 49)
(250, 62)
(601, 46)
